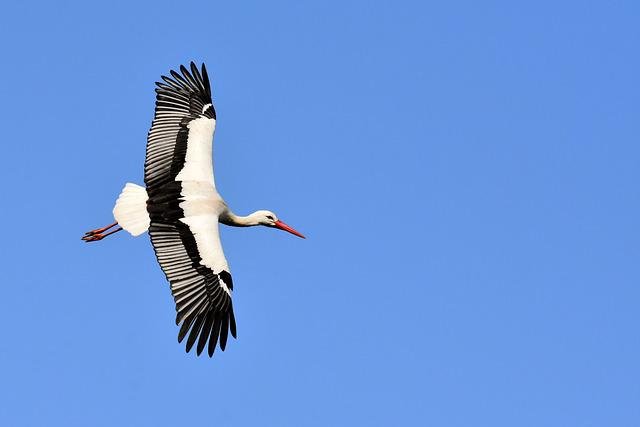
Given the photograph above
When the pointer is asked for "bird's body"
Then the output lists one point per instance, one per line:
(181, 208)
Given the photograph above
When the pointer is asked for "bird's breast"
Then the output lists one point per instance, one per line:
(200, 198)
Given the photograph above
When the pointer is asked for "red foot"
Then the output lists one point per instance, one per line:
(93, 237)
(96, 235)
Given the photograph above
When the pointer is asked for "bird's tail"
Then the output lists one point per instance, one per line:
(130, 210)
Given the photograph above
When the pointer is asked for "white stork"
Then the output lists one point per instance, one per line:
(181, 208)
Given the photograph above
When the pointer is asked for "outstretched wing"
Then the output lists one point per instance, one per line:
(202, 295)
(180, 140)
(183, 208)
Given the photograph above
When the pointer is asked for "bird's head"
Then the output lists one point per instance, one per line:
(269, 219)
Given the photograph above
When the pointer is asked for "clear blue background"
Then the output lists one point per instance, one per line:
(467, 174)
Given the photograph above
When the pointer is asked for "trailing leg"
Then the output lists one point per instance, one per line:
(99, 233)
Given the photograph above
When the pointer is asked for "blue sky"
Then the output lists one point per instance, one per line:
(466, 173)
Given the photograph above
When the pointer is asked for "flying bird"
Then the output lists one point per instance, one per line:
(180, 208)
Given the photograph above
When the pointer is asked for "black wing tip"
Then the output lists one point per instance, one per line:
(194, 69)
(232, 321)
(191, 70)
(194, 66)
(195, 81)
(219, 327)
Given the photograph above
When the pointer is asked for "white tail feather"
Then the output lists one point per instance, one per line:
(131, 209)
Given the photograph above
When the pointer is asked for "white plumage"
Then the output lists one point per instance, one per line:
(130, 210)
(181, 209)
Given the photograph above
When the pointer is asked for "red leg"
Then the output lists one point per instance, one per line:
(100, 230)
(94, 237)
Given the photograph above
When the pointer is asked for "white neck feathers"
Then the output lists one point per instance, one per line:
(229, 218)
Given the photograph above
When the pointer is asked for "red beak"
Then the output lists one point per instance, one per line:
(282, 226)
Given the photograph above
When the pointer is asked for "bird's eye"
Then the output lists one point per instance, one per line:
(270, 217)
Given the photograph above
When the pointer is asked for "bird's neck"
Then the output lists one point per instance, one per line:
(229, 218)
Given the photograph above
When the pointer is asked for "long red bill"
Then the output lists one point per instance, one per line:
(282, 226)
